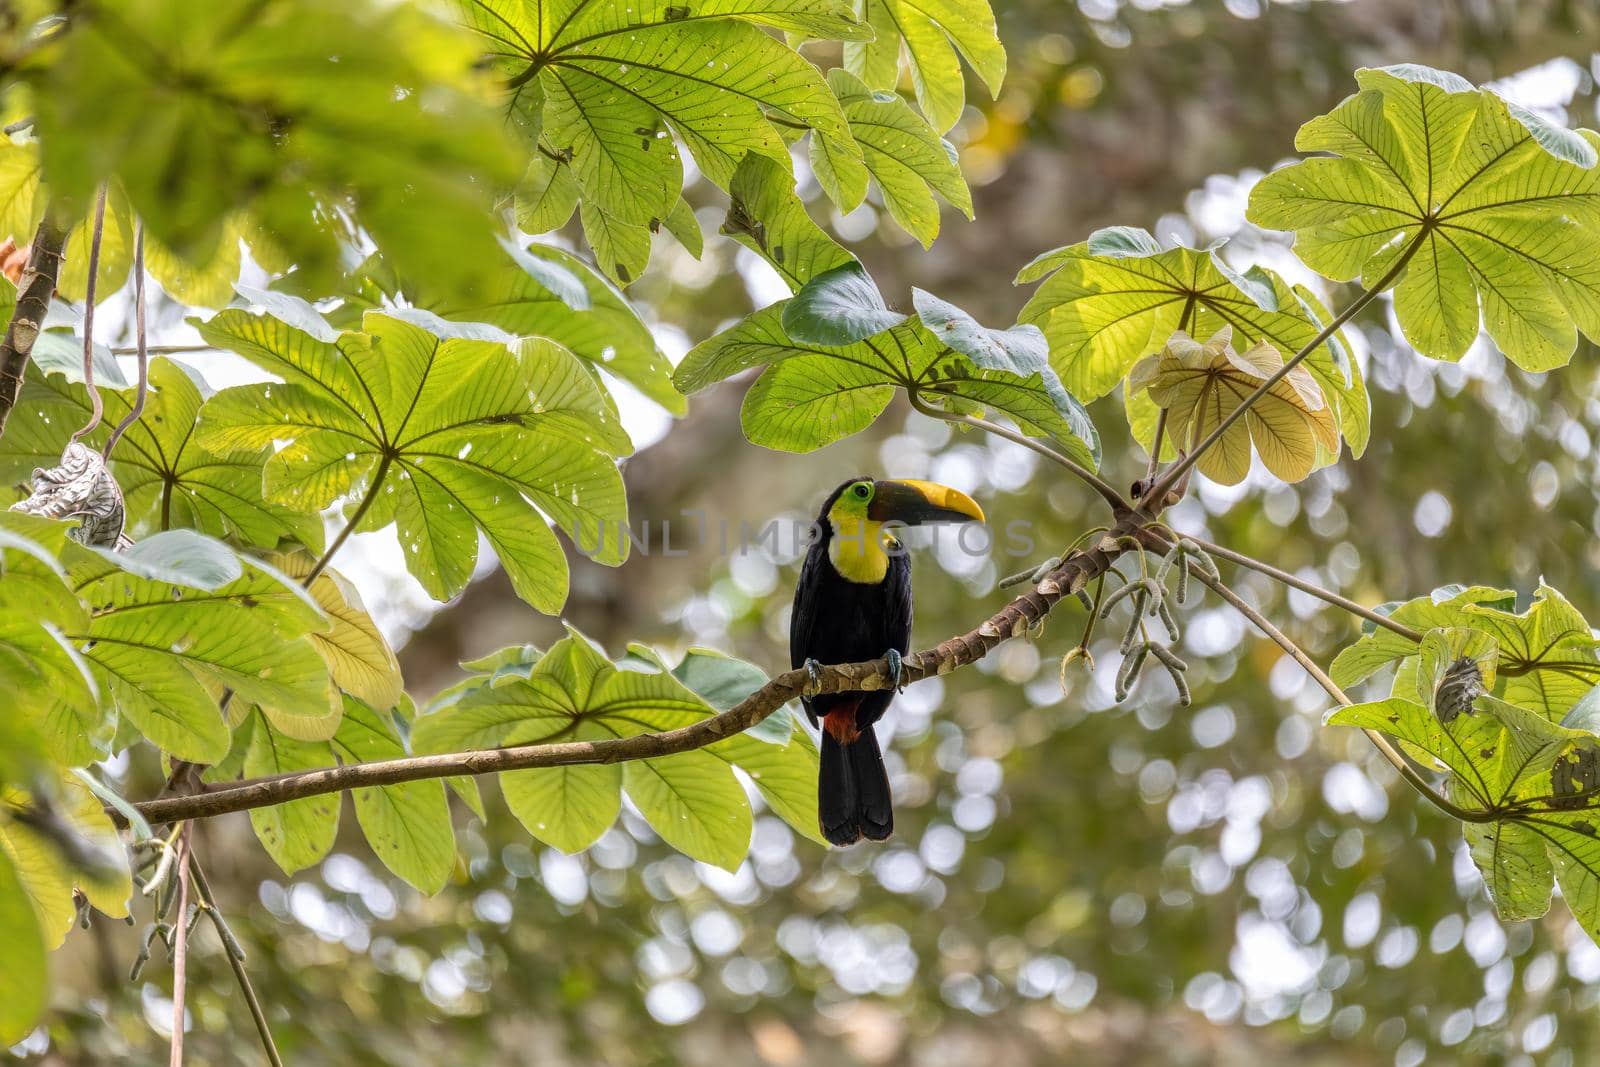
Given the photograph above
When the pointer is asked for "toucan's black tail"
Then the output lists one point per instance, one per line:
(853, 790)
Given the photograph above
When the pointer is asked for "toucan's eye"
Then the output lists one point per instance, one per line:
(862, 490)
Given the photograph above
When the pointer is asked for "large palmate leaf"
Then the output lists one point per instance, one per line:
(907, 158)
(178, 618)
(1201, 385)
(574, 693)
(95, 863)
(24, 987)
(262, 121)
(301, 832)
(358, 657)
(766, 216)
(168, 478)
(610, 91)
(39, 664)
(442, 431)
(835, 354)
(932, 33)
(1111, 300)
(1547, 655)
(407, 825)
(1494, 212)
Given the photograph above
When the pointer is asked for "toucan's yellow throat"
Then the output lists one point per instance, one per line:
(860, 545)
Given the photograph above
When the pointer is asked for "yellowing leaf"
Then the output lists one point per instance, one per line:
(1200, 385)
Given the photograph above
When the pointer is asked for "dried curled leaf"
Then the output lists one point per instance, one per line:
(1200, 385)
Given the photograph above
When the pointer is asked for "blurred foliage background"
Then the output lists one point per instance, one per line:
(1072, 880)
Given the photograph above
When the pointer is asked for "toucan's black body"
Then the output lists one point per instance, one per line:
(836, 620)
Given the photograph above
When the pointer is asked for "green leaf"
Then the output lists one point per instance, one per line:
(1115, 298)
(556, 296)
(1515, 866)
(547, 195)
(171, 625)
(21, 206)
(838, 307)
(622, 87)
(206, 279)
(263, 123)
(906, 156)
(567, 807)
(38, 664)
(812, 395)
(168, 479)
(1547, 654)
(408, 825)
(299, 833)
(694, 802)
(1497, 211)
(23, 982)
(446, 431)
(932, 32)
(766, 216)
(573, 693)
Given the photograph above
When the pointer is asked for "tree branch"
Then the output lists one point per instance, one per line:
(1309, 588)
(34, 288)
(1074, 573)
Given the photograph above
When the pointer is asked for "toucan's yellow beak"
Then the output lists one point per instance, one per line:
(913, 503)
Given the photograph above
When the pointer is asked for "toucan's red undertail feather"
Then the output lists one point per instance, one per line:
(840, 723)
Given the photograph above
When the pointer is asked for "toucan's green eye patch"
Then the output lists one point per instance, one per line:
(862, 490)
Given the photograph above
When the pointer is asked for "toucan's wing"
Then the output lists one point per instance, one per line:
(805, 615)
(897, 603)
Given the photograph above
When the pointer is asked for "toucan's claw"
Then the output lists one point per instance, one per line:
(896, 666)
(814, 672)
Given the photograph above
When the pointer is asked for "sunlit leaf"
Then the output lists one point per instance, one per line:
(1487, 210)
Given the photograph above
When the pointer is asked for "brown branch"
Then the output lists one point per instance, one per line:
(34, 289)
(235, 954)
(1014, 619)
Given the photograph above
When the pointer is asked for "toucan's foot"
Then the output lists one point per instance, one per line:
(896, 667)
(813, 671)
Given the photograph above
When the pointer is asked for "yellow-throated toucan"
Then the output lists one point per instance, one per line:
(853, 603)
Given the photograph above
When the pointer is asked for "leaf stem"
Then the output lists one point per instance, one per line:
(1309, 588)
(1384, 746)
(180, 951)
(97, 408)
(367, 501)
(1089, 477)
(1184, 463)
(137, 410)
(235, 954)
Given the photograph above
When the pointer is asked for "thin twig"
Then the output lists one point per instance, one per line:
(139, 347)
(97, 409)
(162, 350)
(367, 501)
(235, 954)
(1184, 463)
(1089, 477)
(180, 951)
(1310, 589)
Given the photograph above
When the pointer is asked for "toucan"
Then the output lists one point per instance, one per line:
(853, 603)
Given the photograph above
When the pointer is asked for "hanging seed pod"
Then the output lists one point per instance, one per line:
(1116, 595)
(1129, 672)
(1169, 659)
(1131, 635)
(1173, 558)
(1165, 614)
(1183, 582)
(1085, 599)
(1202, 557)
